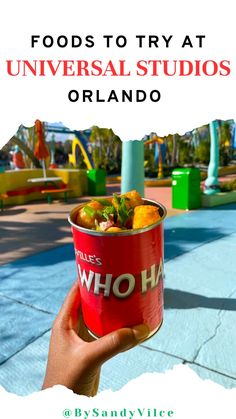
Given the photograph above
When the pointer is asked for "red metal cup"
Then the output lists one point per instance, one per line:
(120, 275)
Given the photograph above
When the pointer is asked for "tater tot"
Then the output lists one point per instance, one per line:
(113, 229)
(85, 220)
(133, 200)
(144, 215)
(118, 213)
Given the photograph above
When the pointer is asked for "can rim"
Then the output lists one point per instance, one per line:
(118, 233)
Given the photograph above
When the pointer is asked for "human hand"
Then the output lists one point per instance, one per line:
(75, 358)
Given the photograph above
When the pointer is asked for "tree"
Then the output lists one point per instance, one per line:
(106, 149)
(202, 152)
(185, 152)
(224, 140)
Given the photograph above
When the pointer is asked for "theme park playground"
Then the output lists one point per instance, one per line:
(37, 263)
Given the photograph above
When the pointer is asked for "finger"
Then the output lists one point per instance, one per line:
(83, 330)
(68, 316)
(112, 344)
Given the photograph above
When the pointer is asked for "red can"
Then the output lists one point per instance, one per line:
(120, 275)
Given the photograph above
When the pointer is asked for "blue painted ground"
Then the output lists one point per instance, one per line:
(200, 307)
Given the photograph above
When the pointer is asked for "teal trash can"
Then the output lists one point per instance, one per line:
(96, 182)
(186, 191)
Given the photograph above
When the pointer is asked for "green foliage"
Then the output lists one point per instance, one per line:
(106, 149)
(150, 165)
(224, 142)
(204, 132)
(186, 153)
(225, 133)
(228, 186)
(225, 156)
(202, 152)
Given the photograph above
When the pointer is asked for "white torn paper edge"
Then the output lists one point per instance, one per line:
(152, 395)
(185, 104)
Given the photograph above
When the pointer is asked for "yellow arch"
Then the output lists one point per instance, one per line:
(72, 156)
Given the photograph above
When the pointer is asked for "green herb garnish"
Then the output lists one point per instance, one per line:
(100, 213)
(89, 211)
(124, 212)
(108, 212)
(116, 199)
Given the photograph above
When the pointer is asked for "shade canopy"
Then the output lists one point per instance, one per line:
(41, 150)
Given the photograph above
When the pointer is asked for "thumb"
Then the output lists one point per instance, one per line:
(116, 342)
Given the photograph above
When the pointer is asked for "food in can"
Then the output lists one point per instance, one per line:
(119, 256)
(117, 214)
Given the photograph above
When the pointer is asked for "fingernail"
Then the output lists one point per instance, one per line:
(141, 332)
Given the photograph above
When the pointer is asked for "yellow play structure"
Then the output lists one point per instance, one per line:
(73, 157)
(16, 190)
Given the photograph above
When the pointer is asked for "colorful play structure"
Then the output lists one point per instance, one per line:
(16, 190)
(212, 183)
(159, 142)
(15, 187)
(133, 155)
(79, 144)
(18, 159)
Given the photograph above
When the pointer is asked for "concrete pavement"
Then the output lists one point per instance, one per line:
(37, 226)
(200, 305)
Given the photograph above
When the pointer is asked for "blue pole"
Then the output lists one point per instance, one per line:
(212, 183)
(156, 153)
(132, 170)
(234, 137)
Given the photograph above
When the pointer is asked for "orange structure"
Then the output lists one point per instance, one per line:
(18, 159)
(41, 150)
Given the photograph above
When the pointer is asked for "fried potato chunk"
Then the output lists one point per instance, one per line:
(83, 219)
(145, 215)
(133, 199)
(114, 229)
